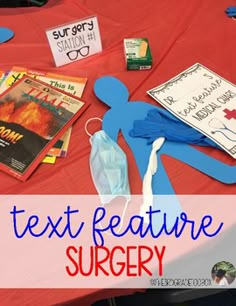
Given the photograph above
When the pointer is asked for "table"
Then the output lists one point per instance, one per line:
(180, 34)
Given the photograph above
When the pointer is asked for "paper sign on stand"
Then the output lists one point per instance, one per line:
(74, 41)
(205, 101)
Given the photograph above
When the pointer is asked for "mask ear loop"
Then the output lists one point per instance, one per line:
(87, 122)
(123, 215)
(121, 219)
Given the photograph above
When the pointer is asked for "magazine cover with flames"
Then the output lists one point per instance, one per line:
(33, 116)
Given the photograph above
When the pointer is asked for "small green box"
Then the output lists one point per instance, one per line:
(137, 54)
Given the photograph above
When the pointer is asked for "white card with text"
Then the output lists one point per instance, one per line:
(203, 100)
(74, 41)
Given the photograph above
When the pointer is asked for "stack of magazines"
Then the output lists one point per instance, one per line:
(37, 110)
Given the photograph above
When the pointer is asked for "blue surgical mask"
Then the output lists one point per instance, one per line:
(108, 166)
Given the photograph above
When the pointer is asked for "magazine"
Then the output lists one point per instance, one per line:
(33, 116)
(66, 141)
(61, 146)
(49, 159)
(59, 149)
(3, 75)
(71, 84)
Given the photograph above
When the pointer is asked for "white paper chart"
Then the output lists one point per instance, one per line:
(203, 100)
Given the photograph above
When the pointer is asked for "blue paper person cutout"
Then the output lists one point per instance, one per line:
(121, 116)
(5, 34)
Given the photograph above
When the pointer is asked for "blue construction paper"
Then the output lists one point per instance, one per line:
(5, 34)
(121, 116)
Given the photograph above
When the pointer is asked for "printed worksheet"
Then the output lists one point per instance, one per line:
(203, 100)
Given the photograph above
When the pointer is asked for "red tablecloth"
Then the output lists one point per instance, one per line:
(180, 34)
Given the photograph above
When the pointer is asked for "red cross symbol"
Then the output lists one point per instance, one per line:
(230, 113)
